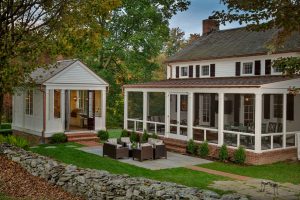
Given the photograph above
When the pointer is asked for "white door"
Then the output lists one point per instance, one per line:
(178, 115)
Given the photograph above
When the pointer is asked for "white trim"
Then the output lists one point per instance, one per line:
(201, 71)
(242, 68)
(221, 119)
(258, 120)
(187, 72)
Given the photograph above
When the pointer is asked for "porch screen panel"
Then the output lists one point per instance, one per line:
(135, 105)
(292, 122)
(173, 113)
(98, 106)
(156, 113)
(57, 103)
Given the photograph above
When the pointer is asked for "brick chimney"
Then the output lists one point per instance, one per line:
(209, 25)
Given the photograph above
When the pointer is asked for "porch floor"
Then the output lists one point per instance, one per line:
(174, 160)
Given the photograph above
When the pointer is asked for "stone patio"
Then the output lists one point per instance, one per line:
(174, 160)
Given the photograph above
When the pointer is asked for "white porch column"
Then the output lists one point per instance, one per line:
(221, 119)
(46, 114)
(103, 109)
(284, 119)
(190, 116)
(125, 109)
(258, 120)
(62, 108)
(145, 110)
(167, 114)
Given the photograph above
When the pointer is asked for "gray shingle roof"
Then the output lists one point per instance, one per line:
(214, 82)
(233, 43)
(40, 75)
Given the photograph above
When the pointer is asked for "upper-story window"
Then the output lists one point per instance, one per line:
(29, 102)
(205, 70)
(248, 68)
(184, 71)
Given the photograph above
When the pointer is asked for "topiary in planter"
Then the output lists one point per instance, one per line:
(103, 135)
(191, 147)
(153, 135)
(134, 137)
(240, 155)
(58, 138)
(145, 137)
(223, 153)
(124, 133)
(203, 150)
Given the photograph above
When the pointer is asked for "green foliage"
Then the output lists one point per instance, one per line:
(223, 153)
(134, 137)
(288, 66)
(6, 132)
(103, 135)
(191, 147)
(153, 135)
(15, 141)
(240, 155)
(58, 138)
(145, 137)
(5, 126)
(124, 133)
(203, 150)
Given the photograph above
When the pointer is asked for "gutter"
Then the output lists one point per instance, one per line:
(44, 114)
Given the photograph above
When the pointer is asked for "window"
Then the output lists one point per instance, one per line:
(29, 102)
(83, 101)
(56, 103)
(248, 68)
(248, 110)
(184, 71)
(206, 108)
(277, 103)
(205, 70)
(277, 69)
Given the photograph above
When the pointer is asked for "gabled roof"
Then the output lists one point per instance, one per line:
(214, 82)
(236, 42)
(66, 72)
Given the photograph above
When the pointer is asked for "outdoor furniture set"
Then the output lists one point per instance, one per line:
(153, 149)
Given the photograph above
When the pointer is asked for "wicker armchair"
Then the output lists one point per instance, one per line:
(143, 153)
(115, 151)
(159, 148)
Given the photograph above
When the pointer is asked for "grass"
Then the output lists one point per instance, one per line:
(85, 160)
(114, 133)
(4, 197)
(279, 172)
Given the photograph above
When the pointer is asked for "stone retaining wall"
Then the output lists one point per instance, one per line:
(97, 184)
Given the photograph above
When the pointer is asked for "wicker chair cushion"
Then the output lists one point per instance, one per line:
(125, 140)
(112, 141)
(154, 141)
(145, 145)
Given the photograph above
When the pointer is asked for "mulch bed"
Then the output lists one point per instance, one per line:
(17, 183)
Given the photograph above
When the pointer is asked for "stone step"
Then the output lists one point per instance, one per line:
(74, 139)
(176, 149)
(175, 144)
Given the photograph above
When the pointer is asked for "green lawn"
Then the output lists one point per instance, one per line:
(280, 172)
(82, 159)
(4, 197)
(114, 133)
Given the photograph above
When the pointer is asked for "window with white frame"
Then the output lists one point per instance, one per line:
(248, 68)
(277, 69)
(206, 108)
(184, 71)
(29, 102)
(205, 70)
(249, 110)
(82, 101)
(277, 105)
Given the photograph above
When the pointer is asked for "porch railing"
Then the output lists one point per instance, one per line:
(205, 134)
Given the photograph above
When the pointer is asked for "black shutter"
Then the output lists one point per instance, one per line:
(191, 68)
(197, 95)
(197, 71)
(236, 108)
(212, 70)
(212, 110)
(177, 71)
(267, 105)
(290, 107)
(268, 64)
(257, 67)
(238, 68)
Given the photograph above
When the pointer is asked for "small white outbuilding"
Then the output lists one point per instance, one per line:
(68, 97)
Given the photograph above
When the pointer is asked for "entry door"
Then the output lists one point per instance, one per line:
(178, 115)
(91, 110)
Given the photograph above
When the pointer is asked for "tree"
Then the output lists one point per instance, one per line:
(261, 15)
(33, 32)
(176, 41)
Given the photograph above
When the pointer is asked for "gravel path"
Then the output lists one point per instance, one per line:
(16, 182)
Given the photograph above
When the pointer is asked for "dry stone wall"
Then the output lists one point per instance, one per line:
(98, 184)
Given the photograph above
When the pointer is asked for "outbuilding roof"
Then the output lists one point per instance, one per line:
(219, 82)
(236, 42)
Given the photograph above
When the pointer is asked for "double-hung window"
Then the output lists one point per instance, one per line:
(29, 102)
(278, 106)
(248, 68)
(205, 70)
(184, 71)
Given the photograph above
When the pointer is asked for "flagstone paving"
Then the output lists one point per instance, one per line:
(252, 188)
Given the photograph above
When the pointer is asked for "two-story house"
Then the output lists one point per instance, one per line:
(222, 89)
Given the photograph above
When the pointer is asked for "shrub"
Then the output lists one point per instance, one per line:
(124, 133)
(2, 139)
(145, 136)
(191, 147)
(22, 143)
(16, 141)
(58, 138)
(103, 135)
(5, 132)
(134, 137)
(203, 150)
(153, 135)
(240, 155)
(223, 154)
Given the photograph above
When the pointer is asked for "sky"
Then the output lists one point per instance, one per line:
(190, 21)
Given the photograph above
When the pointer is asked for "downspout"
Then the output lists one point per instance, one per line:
(44, 114)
